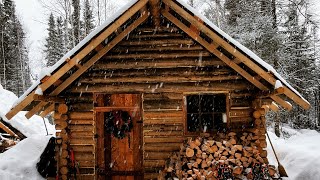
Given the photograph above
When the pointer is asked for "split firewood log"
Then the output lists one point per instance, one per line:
(237, 170)
(189, 152)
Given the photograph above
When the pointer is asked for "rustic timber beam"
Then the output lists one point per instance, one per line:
(48, 110)
(105, 73)
(44, 100)
(243, 58)
(157, 64)
(75, 60)
(282, 102)
(6, 129)
(274, 107)
(276, 92)
(48, 98)
(100, 54)
(162, 35)
(159, 87)
(159, 56)
(156, 48)
(158, 42)
(36, 109)
(223, 57)
(155, 12)
(172, 79)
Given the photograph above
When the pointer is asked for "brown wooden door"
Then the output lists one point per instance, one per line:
(123, 157)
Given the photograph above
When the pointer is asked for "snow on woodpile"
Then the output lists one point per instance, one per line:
(298, 153)
(28, 127)
(20, 161)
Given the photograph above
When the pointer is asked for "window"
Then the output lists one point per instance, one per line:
(206, 112)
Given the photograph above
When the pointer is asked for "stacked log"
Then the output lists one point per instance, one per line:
(6, 143)
(226, 156)
(61, 120)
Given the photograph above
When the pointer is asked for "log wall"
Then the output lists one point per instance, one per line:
(163, 66)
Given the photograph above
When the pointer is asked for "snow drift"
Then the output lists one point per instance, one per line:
(20, 161)
(298, 152)
(32, 126)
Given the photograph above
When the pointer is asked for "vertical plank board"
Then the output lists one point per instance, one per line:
(100, 132)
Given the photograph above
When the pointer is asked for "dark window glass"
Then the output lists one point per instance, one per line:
(204, 112)
(193, 104)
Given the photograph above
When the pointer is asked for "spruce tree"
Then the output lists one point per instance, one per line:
(14, 71)
(60, 38)
(76, 21)
(299, 63)
(87, 18)
(51, 43)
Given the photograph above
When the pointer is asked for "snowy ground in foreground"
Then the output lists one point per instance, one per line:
(20, 161)
(299, 153)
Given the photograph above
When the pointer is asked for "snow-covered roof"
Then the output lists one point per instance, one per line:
(237, 46)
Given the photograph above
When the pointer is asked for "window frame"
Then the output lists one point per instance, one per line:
(185, 112)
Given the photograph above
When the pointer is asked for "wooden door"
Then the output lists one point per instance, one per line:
(122, 157)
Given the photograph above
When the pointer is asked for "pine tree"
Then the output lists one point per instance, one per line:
(14, 71)
(51, 42)
(87, 18)
(299, 62)
(215, 13)
(76, 21)
(60, 38)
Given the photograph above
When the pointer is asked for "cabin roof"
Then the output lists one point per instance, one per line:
(152, 8)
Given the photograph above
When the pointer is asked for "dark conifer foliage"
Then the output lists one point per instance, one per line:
(52, 42)
(14, 62)
(87, 18)
(76, 22)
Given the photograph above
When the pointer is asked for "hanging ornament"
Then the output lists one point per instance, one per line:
(118, 123)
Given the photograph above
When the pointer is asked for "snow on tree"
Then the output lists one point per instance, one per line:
(87, 18)
(14, 62)
(51, 42)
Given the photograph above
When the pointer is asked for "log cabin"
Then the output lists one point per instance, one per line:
(152, 76)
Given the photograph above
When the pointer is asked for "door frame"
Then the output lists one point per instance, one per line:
(103, 172)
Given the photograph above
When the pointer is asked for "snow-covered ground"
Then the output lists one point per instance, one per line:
(298, 150)
(20, 161)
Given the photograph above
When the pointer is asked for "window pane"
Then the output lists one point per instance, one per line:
(193, 122)
(207, 104)
(219, 103)
(193, 104)
(207, 121)
(218, 122)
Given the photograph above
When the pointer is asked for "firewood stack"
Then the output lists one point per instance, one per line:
(6, 143)
(226, 156)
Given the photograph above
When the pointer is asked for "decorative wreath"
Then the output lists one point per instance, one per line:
(118, 123)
